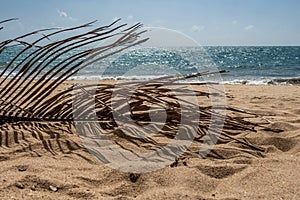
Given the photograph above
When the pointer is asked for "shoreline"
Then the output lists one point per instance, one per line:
(272, 81)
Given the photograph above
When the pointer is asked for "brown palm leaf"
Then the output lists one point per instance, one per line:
(29, 82)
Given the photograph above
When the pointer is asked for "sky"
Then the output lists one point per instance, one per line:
(209, 22)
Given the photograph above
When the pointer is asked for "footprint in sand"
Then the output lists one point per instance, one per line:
(220, 172)
(280, 143)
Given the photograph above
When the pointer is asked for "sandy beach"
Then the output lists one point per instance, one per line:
(150, 100)
(48, 160)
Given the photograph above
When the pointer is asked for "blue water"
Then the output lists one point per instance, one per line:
(257, 64)
(244, 65)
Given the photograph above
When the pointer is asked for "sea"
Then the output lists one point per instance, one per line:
(259, 65)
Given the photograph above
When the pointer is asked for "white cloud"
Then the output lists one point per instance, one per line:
(130, 17)
(234, 22)
(62, 13)
(196, 28)
(249, 27)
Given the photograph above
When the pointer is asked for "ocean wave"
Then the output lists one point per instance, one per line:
(130, 78)
(265, 81)
(285, 81)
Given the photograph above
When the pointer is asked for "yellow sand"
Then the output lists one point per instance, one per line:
(68, 171)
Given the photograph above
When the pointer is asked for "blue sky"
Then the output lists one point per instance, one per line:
(209, 22)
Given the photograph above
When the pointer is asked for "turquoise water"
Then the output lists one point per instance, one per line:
(244, 65)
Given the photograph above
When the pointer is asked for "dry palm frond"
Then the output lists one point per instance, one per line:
(29, 82)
